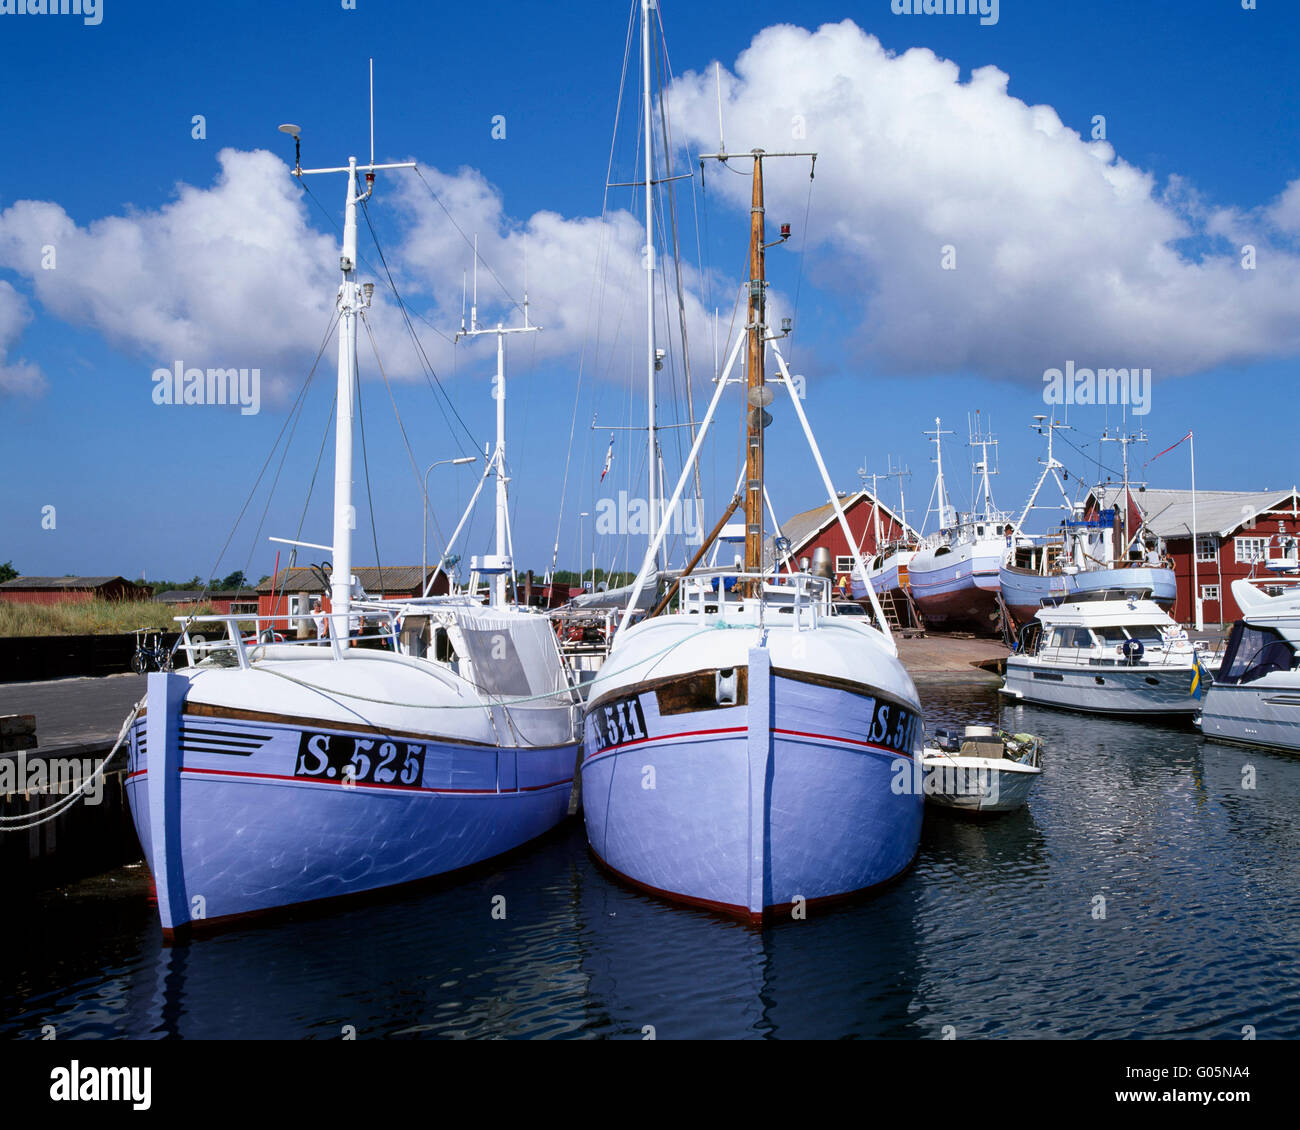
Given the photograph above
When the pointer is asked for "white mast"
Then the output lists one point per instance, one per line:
(503, 562)
(1124, 439)
(940, 490)
(902, 500)
(353, 298)
(1050, 467)
(648, 254)
(980, 440)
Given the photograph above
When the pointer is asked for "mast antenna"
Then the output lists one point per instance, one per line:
(722, 145)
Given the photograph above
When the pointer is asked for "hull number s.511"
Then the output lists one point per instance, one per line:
(619, 722)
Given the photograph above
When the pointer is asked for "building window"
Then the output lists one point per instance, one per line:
(1250, 550)
(246, 608)
(1207, 547)
(1210, 593)
(843, 565)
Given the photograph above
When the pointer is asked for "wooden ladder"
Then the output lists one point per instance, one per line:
(888, 607)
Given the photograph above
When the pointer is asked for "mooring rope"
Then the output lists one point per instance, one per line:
(24, 822)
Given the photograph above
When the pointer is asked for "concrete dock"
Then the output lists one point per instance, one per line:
(77, 721)
(74, 713)
(953, 659)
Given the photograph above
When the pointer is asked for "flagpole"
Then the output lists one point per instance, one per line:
(1197, 612)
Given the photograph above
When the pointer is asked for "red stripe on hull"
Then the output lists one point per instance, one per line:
(363, 785)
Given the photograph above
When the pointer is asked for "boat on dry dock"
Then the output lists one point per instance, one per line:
(953, 577)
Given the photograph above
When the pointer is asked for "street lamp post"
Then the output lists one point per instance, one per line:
(424, 539)
(581, 525)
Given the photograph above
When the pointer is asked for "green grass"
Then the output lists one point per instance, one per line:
(89, 618)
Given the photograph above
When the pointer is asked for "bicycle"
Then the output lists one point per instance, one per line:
(146, 652)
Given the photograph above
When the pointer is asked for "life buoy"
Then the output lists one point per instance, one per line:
(1132, 650)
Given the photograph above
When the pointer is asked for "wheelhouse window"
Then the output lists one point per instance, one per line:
(1253, 653)
(1148, 634)
(1113, 636)
(1070, 638)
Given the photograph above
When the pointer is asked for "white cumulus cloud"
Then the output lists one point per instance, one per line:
(1062, 248)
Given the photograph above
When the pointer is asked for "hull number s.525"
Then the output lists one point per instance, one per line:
(356, 760)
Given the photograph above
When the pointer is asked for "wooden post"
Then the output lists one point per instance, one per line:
(754, 402)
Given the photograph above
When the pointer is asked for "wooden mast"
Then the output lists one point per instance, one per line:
(756, 394)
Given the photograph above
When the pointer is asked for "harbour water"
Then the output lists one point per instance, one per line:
(1150, 890)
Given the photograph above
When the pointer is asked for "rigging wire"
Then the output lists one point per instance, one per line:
(370, 499)
(423, 357)
(438, 200)
(271, 454)
(594, 298)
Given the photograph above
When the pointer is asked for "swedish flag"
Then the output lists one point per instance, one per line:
(1199, 676)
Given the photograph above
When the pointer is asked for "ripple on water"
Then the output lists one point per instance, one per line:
(1149, 891)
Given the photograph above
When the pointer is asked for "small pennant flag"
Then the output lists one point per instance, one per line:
(609, 458)
(1168, 449)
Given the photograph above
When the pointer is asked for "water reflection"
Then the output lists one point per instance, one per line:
(1149, 890)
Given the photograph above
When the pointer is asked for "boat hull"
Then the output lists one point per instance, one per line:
(232, 825)
(958, 588)
(1142, 689)
(729, 809)
(1161, 582)
(1262, 713)
(978, 785)
(1023, 592)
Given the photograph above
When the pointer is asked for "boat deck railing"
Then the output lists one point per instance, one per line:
(804, 596)
(1087, 657)
(240, 637)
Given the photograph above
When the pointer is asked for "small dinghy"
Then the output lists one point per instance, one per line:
(981, 771)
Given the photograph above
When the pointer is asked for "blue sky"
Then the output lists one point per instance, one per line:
(1201, 111)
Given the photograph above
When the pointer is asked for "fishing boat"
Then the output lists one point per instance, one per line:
(1031, 571)
(981, 771)
(1255, 697)
(741, 747)
(1108, 653)
(1107, 551)
(953, 576)
(414, 739)
(888, 570)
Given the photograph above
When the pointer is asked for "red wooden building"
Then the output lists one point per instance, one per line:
(819, 528)
(71, 590)
(290, 591)
(223, 603)
(1237, 534)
